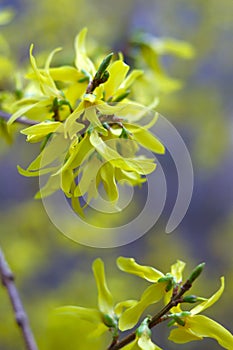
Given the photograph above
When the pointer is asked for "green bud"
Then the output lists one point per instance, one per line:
(104, 77)
(192, 299)
(18, 94)
(183, 314)
(84, 79)
(90, 129)
(124, 133)
(103, 66)
(196, 272)
(170, 281)
(143, 328)
(106, 125)
(178, 320)
(109, 321)
(45, 141)
(166, 278)
(122, 96)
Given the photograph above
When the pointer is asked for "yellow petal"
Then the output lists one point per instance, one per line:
(183, 335)
(88, 178)
(74, 92)
(117, 72)
(65, 73)
(52, 185)
(131, 346)
(105, 300)
(91, 116)
(107, 175)
(128, 177)
(100, 329)
(53, 151)
(67, 177)
(205, 327)
(23, 110)
(6, 15)
(172, 46)
(42, 129)
(71, 121)
(120, 307)
(78, 154)
(199, 308)
(75, 203)
(82, 61)
(86, 314)
(150, 296)
(129, 80)
(146, 138)
(129, 265)
(46, 82)
(140, 165)
(145, 343)
(29, 173)
(177, 269)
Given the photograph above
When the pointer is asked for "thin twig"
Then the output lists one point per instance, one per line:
(19, 312)
(158, 318)
(21, 120)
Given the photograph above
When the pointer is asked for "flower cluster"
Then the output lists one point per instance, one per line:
(125, 315)
(90, 130)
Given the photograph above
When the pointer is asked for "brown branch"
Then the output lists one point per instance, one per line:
(21, 120)
(161, 315)
(19, 312)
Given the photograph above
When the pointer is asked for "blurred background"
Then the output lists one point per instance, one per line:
(52, 270)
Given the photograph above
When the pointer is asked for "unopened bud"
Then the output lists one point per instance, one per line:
(196, 272)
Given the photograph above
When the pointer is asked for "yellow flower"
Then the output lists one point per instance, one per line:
(151, 295)
(41, 104)
(106, 316)
(197, 327)
(143, 338)
(101, 138)
(38, 132)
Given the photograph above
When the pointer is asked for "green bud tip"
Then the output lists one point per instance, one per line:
(103, 66)
(104, 77)
(122, 96)
(178, 320)
(105, 63)
(196, 272)
(109, 321)
(190, 299)
(124, 133)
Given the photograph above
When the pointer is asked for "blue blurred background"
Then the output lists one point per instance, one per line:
(52, 270)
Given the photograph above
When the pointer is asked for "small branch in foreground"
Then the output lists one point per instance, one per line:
(161, 315)
(20, 314)
(21, 120)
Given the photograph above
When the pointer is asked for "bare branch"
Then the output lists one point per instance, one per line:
(21, 120)
(19, 312)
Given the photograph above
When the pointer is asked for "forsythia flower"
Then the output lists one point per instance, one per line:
(107, 315)
(151, 295)
(88, 127)
(196, 327)
(143, 338)
(193, 326)
(126, 314)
